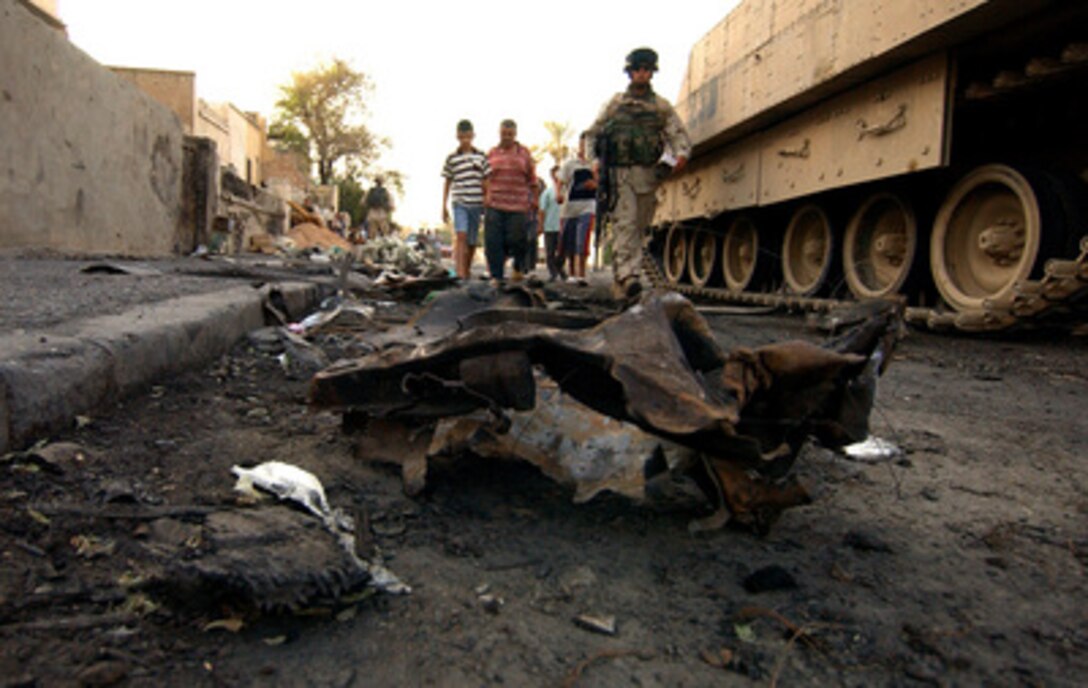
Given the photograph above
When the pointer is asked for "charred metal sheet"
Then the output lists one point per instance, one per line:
(655, 366)
(572, 445)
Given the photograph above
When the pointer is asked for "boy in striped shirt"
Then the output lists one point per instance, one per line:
(466, 172)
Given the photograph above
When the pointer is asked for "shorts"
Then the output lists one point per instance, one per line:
(466, 220)
(575, 237)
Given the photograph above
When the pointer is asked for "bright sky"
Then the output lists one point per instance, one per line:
(432, 63)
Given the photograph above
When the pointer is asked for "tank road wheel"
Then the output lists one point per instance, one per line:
(740, 251)
(806, 251)
(986, 237)
(676, 253)
(702, 252)
(879, 246)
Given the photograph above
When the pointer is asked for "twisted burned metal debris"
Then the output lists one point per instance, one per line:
(745, 413)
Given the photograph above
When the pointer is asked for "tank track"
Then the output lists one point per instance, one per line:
(1059, 300)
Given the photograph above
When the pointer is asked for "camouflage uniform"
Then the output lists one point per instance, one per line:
(638, 127)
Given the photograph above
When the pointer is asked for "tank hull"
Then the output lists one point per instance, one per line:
(930, 151)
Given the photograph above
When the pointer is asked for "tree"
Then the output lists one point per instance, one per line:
(321, 113)
(351, 198)
(352, 191)
(559, 136)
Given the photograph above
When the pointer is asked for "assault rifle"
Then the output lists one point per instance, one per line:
(606, 179)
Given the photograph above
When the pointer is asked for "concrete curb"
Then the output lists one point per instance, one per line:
(48, 378)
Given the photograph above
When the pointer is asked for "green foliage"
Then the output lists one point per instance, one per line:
(353, 192)
(288, 138)
(559, 137)
(321, 113)
(351, 198)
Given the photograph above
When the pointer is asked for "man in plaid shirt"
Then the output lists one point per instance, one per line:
(512, 194)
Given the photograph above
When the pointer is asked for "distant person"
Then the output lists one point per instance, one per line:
(511, 196)
(379, 209)
(533, 228)
(549, 221)
(579, 197)
(633, 131)
(466, 172)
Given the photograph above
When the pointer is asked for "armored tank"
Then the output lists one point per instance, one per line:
(934, 151)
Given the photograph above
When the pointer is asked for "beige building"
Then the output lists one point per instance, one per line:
(240, 137)
(176, 90)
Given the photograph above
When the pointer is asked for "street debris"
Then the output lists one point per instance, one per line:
(395, 254)
(491, 603)
(605, 625)
(273, 557)
(731, 422)
(119, 268)
(286, 482)
(872, 450)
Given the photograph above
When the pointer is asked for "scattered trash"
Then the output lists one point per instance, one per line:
(491, 603)
(113, 268)
(721, 658)
(285, 482)
(300, 359)
(605, 625)
(344, 317)
(230, 625)
(409, 259)
(768, 579)
(744, 632)
(92, 547)
(38, 516)
(273, 557)
(872, 450)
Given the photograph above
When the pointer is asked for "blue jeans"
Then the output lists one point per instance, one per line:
(504, 237)
(466, 220)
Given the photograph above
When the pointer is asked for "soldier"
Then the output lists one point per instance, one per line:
(629, 138)
(379, 209)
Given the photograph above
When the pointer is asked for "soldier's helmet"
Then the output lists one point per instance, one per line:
(641, 57)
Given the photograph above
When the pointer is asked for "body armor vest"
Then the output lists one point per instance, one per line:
(634, 133)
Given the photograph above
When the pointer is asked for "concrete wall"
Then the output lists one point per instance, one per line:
(88, 162)
(47, 11)
(256, 142)
(240, 137)
(212, 124)
(175, 90)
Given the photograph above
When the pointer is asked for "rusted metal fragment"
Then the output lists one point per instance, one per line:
(395, 442)
(655, 366)
(570, 444)
(751, 498)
